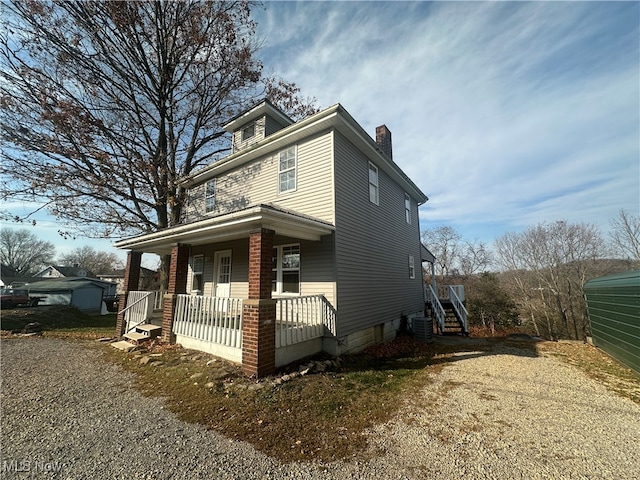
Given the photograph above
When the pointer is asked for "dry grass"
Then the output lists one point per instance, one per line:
(597, 365)
(312, 417)
(58, 321)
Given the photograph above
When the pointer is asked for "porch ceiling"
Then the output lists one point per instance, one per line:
(231, 226)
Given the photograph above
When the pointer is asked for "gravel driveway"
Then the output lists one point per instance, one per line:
(67, 414)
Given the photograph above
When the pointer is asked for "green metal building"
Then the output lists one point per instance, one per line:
(613, 303)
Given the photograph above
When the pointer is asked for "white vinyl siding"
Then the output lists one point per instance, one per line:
(287, 170)
(374, 196)
(256, 183)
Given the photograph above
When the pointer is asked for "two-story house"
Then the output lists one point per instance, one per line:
(306, 238)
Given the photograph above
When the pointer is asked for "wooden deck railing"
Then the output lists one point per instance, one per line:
(299, 319)
(211, 319)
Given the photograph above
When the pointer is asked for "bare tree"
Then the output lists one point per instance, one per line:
(476, 257)
(550, 262)
(625, 235)
(445, 244)
(91, 259)
(105, 105)
(23, 251)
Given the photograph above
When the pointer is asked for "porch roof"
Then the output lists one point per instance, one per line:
(230, 226)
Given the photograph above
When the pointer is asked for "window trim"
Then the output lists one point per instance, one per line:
(412, 267)
(407, 208)
(279, 270)
(294, 169)
(375, 185)
(197, 276)
(244, 136)
(210, 208)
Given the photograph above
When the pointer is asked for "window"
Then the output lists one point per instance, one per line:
(248, 132)
(373, 184)
(407, 208)
(197, 267)
(210, 196)
(287, 170)
(286, 269)
(412, 267)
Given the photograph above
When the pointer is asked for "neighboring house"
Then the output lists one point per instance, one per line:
(85, 294)
(56, 271)
(301, 221)
(148, 279)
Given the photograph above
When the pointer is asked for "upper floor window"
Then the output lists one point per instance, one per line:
(287, 170)
(373, 184)
(412, 267)
(286, 269)
(210, 196)
(248, 132)
(407, 208)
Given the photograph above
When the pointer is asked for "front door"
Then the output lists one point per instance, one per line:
(222, 269)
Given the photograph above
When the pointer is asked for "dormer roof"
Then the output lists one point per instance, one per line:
(264, 107)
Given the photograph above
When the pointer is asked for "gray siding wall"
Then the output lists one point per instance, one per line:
(257, 182)
(316, 266)
(373, 244)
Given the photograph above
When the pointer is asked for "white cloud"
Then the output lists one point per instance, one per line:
(505, 114)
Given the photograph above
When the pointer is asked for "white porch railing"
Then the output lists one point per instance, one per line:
(299, 319)
(139, 308)
(458, 306)
(158, 298)
(210, 319)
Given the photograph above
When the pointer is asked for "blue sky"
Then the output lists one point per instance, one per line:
(505, 114)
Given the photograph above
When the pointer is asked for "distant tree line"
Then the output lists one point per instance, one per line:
(24, 252)
(534, 279)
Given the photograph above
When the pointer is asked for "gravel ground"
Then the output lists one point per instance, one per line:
(501, 414)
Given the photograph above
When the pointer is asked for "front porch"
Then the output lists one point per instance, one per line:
(214, 324)
(236, 288)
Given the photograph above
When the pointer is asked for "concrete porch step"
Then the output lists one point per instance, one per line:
(150, 329)
(123, 345)
(137, 336)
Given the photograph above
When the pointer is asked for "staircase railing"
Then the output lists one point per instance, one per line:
(458, 306)
(138, 312)
(438, 310)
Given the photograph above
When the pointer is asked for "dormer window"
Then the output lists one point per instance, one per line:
(248, 132)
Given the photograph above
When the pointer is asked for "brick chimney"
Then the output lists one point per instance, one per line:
(383, 139)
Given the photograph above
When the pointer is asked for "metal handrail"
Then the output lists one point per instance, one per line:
(133, 305)
(459, 308)
(437, 308)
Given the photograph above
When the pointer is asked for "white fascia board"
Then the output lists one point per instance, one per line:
(228, 227)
